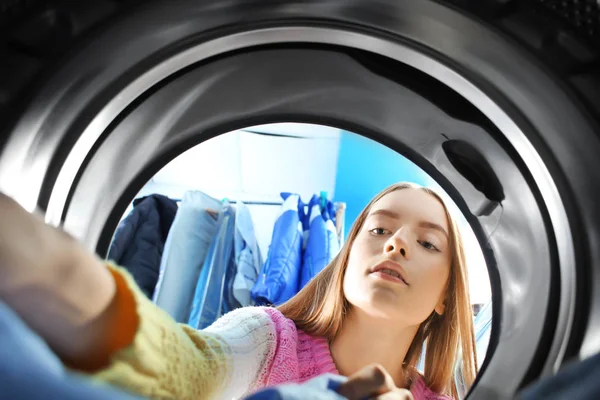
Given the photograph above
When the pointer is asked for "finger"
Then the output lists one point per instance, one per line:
(397, 394)
(369, 382)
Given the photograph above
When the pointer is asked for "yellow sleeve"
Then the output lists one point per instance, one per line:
(165, 360)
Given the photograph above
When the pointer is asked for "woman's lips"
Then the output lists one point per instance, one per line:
(386, 276)
(390, 270)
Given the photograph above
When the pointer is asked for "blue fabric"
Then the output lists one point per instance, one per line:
(305, 220)
(323, 387)
(247, 256)
(140, 239)
(279, 278)
(185, 251)
(322, 244)
(331, 210)
(30, 370)
(212, 286)
(230, 303)
(576, 381)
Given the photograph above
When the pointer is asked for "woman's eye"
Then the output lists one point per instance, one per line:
(428, 245)
(378, 231)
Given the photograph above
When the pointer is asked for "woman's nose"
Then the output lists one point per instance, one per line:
(397, 243)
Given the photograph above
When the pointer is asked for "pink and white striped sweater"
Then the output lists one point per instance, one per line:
(245, 350)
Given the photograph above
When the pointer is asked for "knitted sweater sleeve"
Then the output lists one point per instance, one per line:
(167, 360)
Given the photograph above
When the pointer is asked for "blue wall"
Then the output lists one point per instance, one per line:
(366, 167)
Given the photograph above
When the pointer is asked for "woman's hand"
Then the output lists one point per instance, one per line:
(372, 382)
(59, 289)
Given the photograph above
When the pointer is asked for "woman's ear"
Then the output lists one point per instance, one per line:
(440, 307)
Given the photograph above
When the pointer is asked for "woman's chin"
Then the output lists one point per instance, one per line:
(381, 304)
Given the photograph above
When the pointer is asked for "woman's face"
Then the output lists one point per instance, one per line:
(400, 261)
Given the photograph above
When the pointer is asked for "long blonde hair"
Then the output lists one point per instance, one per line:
(320, 307)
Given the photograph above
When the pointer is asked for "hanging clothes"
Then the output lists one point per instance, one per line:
(230, 303)
(186, 249)
(340, 211)
(139, 241)
(247, 256)
(482, 326)
(212, 289)
(305, 227)
(322, 245)
(279, 279)
(331, 211)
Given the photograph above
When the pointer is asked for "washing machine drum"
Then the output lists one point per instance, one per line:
(496, 100)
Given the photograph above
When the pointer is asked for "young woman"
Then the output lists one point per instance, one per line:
(398, 284)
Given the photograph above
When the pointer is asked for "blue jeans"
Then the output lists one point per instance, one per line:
(322, 387)
(30, 370)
